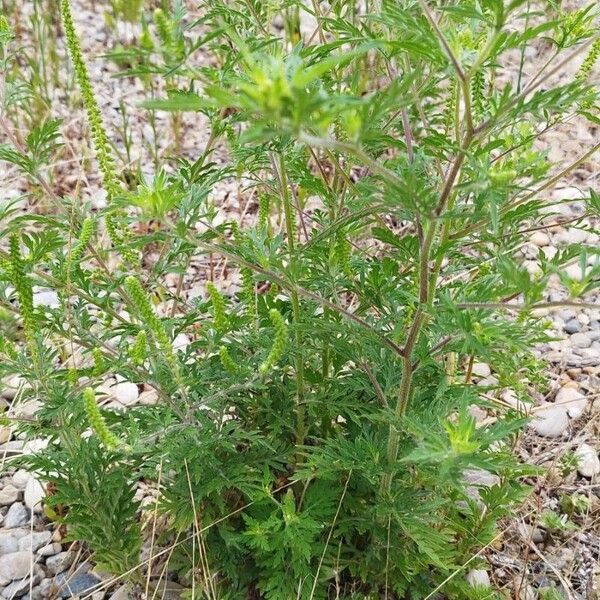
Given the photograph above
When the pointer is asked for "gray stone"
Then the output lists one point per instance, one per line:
(75, 585)
(580, 340)
(122, 593)
(9, 542)
(47, 298)
(540, 239)
(478, 578)
(8, 495)
(5, 433)
(126, 392)
(551, 421)
(480, 477)
(60, 562)
(46, 586)
(35, 540)
(572, 326)
(570, 398)
(50, 549)
(19, 587)
(15, 565)
(588, 463)
(490, 381)
(168, 590)
(481, 370)
(17, 516)
(34, 494)
(20, 479)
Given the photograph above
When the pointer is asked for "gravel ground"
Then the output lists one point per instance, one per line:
(531, 554)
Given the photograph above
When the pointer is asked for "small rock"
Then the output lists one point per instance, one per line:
(8, 495)
(531, 533)
(46, 587)
(5, 434)
(477, 413)
(17, 516)
(9, 540)
(551, 421)
(78, 584)
(588, 463)
(20, 479)
(35, 540)
(574, 272)
(15, 566)
(540, 239)
(168, 590)
(148, 398)
(572, 326)
(122, 593)
(511, 398)
(527, 592)
(481, 370)
(478, 578)
(11, 386)
(50, 549)
(480, 477)
(48, 298)
(125, 392)
(490, 381)
(60, 562)
(572, 400)
(34, 494)
(572, 236)
(181, 342)
(580, 340)
(27, 409)
(20, 586)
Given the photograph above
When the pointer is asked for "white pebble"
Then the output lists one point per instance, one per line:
(48, 298)
(481, 370)
(20, 479)
(478, 578)
(34, 494)
(126, 392)
(540, 239)
(572, 400)
(552, 421)
(580, 340)
(15, 565)
(588, 463)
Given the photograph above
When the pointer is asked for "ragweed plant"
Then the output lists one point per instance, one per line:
(314, 427)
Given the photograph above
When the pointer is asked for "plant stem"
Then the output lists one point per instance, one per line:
(425, 301)
(299, 360)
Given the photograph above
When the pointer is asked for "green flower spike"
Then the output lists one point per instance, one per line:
(153, 323)
(96, 420)
(279, 343)
(24, 291)
(99, 365)
(85, 235)
(138, 349)
(226, 360)
(118, 235)
(221, 320)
